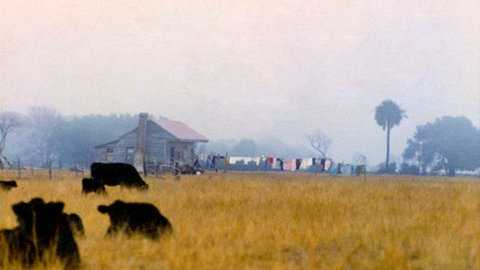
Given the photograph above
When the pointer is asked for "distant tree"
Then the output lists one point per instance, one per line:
(272, 146)
(359, 159)
(409, 169)
(320, 142)
(9, 121)
(245, 147)
(79, 135)
(48, 136)
(383, 169)
(448, 144)
(218, 147)
(388, 115)
(45, 126)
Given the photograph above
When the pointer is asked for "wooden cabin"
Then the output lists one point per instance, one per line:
(153, 144)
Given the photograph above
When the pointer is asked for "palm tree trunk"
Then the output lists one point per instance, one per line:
(387, 159)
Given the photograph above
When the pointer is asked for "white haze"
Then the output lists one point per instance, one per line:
(257, 69)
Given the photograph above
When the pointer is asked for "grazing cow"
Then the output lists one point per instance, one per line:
(117, 174)
(93, 186)
(8, 185)
(41, 227)
(141, 218)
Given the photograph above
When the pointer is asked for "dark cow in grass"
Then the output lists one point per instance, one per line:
(17, 247)
(90, 185)
(43, 228)
(8, 185)
(140, 218)
(76, 224)
(117, 174)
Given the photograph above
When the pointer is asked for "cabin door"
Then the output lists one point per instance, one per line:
(172, 156)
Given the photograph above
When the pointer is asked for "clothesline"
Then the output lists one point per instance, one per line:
(324, 165)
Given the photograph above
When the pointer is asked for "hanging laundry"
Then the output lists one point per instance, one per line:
(280, 163)
(289, 165)
(276, 164)
(298, 163)
(328, 164)
(270, 161)
(333, 169)
(306, 163)
(347, 170)
(240, 160)
(339, 168)
(235, 160)
(322, 164)
(227, 159)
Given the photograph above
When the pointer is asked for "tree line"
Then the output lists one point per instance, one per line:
(42, 137)
(445, 146)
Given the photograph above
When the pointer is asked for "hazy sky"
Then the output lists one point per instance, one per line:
(234, 69)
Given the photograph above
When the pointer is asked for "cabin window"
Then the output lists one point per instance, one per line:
(109, 154)
(179, 155)
(175, 154)
(161, 150)
(130, 153)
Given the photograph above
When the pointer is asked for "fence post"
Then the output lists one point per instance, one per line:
(19, 168)
(84, 167)
(145, 173)
(225, 163)
(50, 170)
(76, 170)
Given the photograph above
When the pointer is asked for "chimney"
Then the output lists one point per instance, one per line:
(139, 158)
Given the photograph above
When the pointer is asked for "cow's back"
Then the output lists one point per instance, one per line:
(142, 213)
(149, 217)
(112, 174)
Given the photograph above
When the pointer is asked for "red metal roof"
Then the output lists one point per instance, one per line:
(180, 130)
(176, 129)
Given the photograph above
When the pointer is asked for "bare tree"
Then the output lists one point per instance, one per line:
(45, 124)
(9, 121)
(320, 142)
(359, 159)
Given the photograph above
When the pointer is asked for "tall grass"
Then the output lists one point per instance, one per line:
(273, 221)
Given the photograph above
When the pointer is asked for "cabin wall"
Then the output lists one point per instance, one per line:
(183, 152)
(121, 151)
(156, 145)
(159, 146)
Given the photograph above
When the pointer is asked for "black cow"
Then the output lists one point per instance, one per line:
(76, 224)
(19, 247)
(41, 227)
(90, 185)
(8, 185)
(141, 218)
(117, 174)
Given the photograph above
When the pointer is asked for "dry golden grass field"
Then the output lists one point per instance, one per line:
(273, 221)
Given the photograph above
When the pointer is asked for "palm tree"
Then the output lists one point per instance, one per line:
(388, 115)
